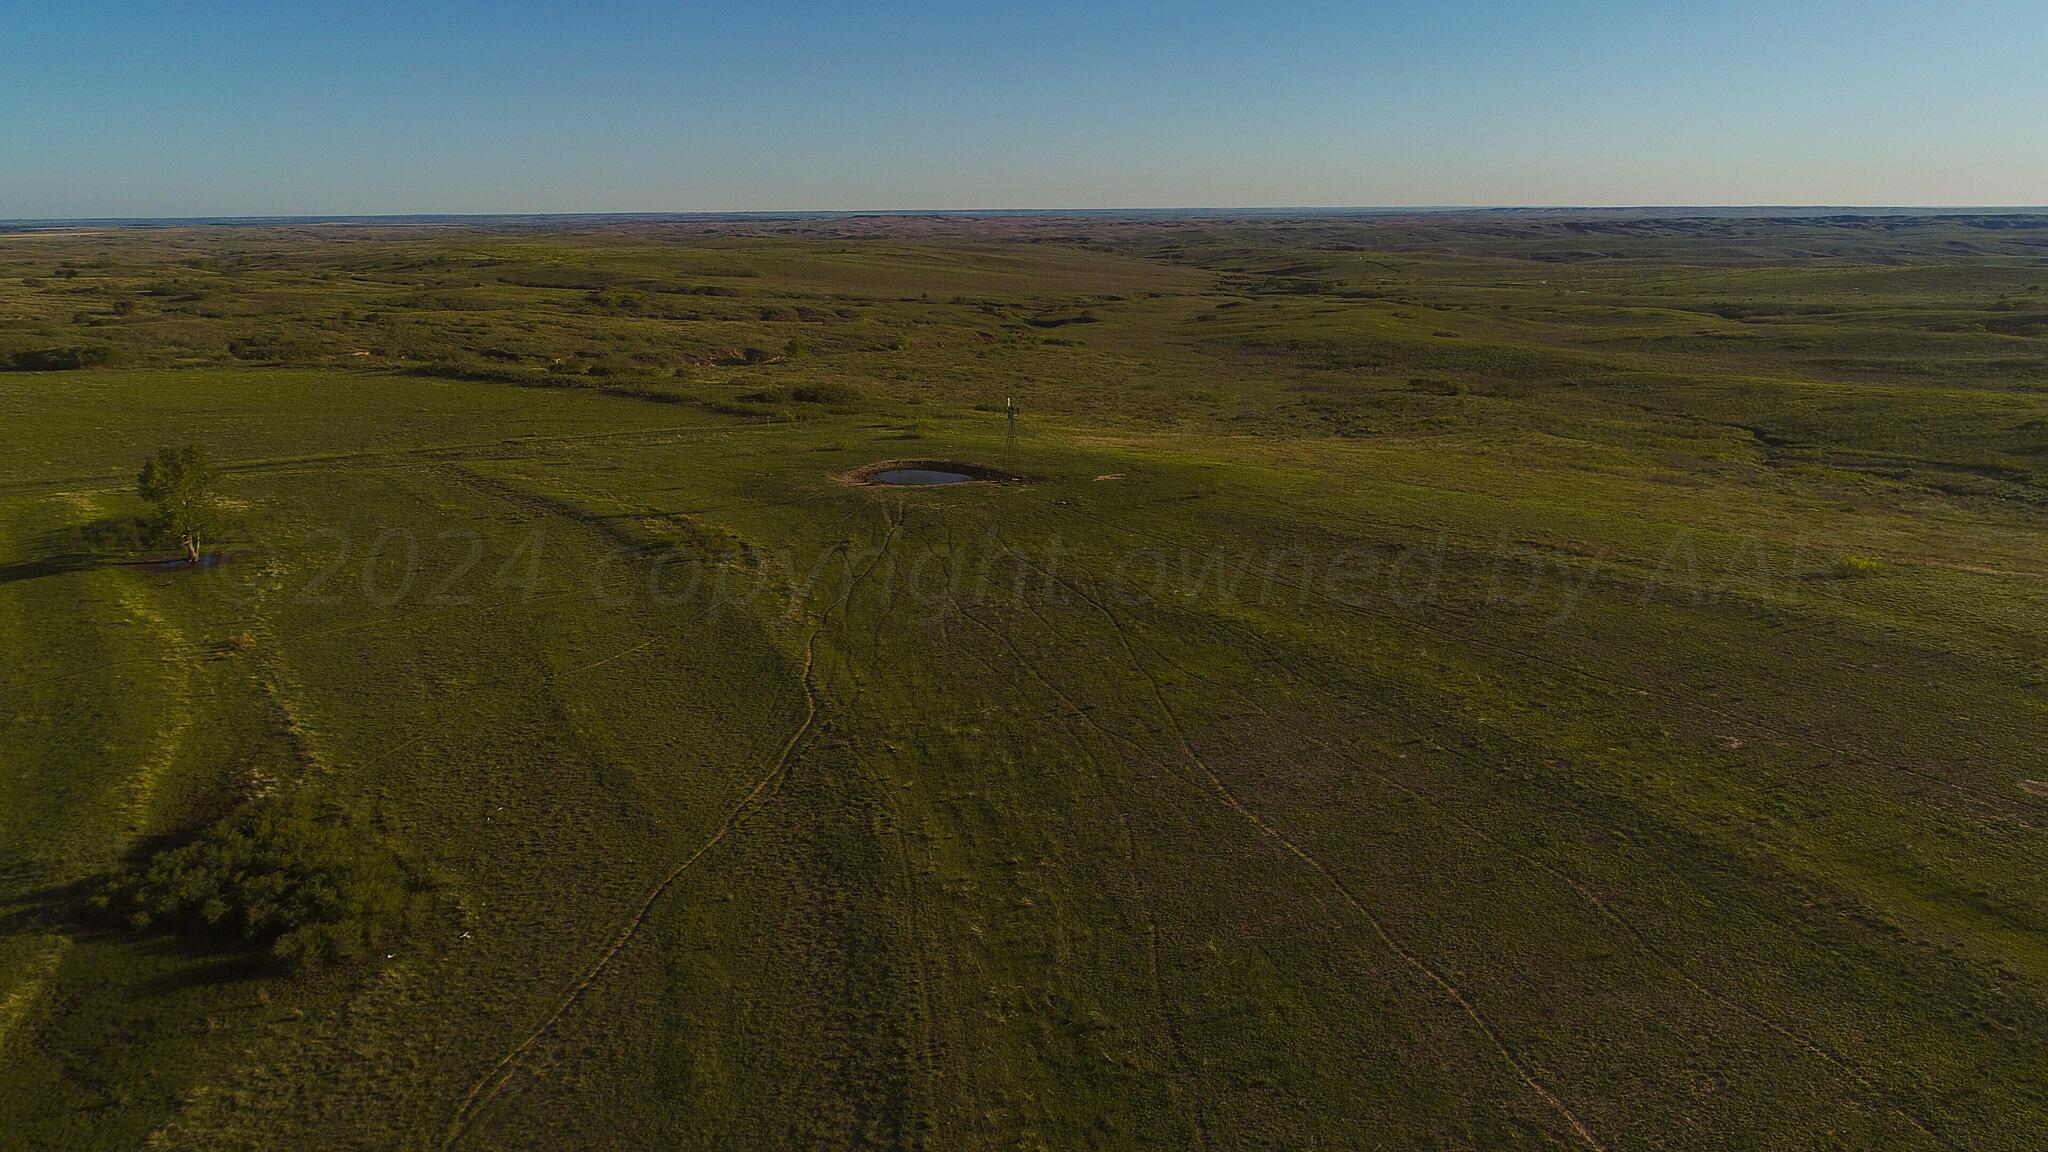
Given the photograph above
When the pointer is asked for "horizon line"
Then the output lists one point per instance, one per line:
(842, 213)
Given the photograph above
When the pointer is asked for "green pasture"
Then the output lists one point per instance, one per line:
(1420, 687)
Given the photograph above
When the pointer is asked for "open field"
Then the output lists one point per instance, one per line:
(1476, 681)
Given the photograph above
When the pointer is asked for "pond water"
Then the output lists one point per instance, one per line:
(918, 476)
(206, 560)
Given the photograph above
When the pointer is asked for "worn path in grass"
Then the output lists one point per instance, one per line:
(1415, 698)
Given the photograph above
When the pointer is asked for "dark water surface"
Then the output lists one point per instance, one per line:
(918, 476)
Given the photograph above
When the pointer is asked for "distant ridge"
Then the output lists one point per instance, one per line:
(548, 219)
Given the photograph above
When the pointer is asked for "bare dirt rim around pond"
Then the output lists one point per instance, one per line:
(975, 473)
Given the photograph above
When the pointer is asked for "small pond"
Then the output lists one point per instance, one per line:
(206, 560)
(918, 476)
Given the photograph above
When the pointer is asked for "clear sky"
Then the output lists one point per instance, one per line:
(306, 107)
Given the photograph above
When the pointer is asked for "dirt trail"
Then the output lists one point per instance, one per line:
(15, 1005)
(1169, 1020)
(1414, 962)
(1813, 1047)
(1473, 637)
(1635, 932)
(177, 696)
(493, 1081)
(487, 1088)
(176, 652)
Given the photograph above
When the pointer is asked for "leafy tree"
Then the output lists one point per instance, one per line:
(295, 875)
(180, 483)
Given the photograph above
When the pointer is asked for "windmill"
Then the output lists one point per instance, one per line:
(1010, 436)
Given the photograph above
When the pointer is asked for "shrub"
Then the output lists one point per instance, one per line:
(274, 348)
(657, 392)
(463, 368)
(825, 393)
(64, 359)
(1063, 321)
(613, 301)
(1852, 566)
(1439, 385)
(610, 366)
(297, 877)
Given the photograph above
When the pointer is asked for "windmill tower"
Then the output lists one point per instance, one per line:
(1010, 435)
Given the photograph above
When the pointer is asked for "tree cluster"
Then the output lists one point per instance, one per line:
(297, 877)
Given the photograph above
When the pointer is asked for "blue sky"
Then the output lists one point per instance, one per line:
(194, 108)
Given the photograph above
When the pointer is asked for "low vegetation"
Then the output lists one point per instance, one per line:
(289, 874)
(63, 359)
(1470, 681)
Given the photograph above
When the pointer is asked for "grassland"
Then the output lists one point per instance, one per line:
(1469, 682)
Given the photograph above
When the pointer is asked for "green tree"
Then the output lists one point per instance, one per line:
(179, 482)
(292, 873)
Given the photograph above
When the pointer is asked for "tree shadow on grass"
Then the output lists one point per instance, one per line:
(63, 907)
(59, 565)
(202, 963)
(27, 902)
(114, 542)
(209, 959)
(200, 959)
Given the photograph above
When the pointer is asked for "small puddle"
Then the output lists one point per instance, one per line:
(208, 560)
(918, 476)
